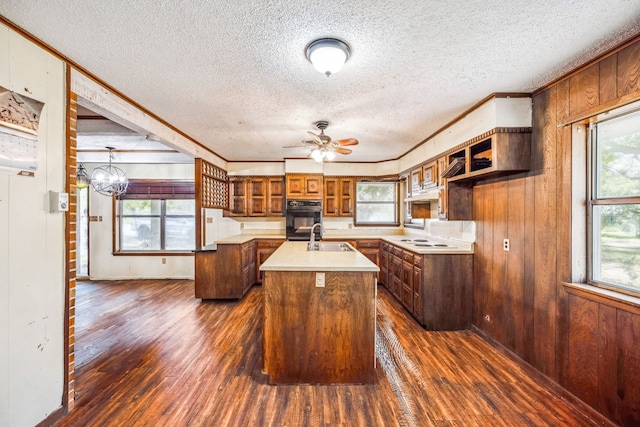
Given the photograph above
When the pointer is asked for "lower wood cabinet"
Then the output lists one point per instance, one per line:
(265, 247)
(226, 273)
(371, 249)
(435, 288)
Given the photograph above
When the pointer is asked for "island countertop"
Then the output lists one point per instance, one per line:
(293, 256)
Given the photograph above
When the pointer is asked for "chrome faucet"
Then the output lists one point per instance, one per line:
(313, 235)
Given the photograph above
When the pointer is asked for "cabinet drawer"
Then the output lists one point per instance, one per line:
(369, 244)
(407, 256)
(417, 260)
(269, 243)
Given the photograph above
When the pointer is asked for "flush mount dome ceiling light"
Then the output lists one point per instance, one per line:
(328, 55)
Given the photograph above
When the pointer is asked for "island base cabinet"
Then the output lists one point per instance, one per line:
(319, 335)
(226, 273)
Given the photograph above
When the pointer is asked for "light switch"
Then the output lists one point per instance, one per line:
(319, 280)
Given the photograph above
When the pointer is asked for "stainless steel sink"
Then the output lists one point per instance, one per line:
(330, 247)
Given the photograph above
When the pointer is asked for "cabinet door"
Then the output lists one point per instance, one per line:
(331, 197)
(275, 198)
(430, 175)
(416, 180)
(384, 265)
(257, 200)
(313, 186)
(346, 196)
(295, 186)
(264, 250)
(417, 294)
(238, 197)
(407, 281)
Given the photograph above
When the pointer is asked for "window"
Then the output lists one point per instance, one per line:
(156, 216)
(614, 204)
(376, 203)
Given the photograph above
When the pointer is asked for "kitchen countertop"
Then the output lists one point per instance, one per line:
(293, 256)
(454, 246)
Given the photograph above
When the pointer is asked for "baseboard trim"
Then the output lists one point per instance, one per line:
(588, 411)
(52, 419)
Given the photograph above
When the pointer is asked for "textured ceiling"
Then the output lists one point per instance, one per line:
(233, 75)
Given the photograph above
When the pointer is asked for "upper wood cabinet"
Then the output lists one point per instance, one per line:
(496, 154)
(275, 187)
(256, 196)
(237, 196)
(338, 196)
(308, 186)
(416, 181)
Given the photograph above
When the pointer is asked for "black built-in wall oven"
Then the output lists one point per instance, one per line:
(301, 216)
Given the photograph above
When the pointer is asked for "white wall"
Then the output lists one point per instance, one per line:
(105, 266)
(32, 277)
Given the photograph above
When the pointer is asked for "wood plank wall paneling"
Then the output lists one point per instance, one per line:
(585, 90)
(628, 368)
(608, 84)
(607, 353)
(588, 347)
(515, 264)
(628, 70)
(544, 251)
(583, 316)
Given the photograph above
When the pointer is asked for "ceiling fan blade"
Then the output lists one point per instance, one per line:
(348, 141)
(341, 150)
(293, 146)
(309, 141)
(315, 137)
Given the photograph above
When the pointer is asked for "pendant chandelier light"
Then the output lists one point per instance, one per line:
(109, 180)
(82, 178)
(328, 55)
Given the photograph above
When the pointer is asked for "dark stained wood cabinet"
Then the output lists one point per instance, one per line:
(435, 288)
(276, 196)
(308, 186)
(237, 196)
(226, 273)
(256, 196)
(383, 275)
(338, 198)
(406, 291)
(371, 249)
(264, 248)
(313, 335)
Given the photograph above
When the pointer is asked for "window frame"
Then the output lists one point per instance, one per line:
(594, 201)
(396, 207)
(162, 190)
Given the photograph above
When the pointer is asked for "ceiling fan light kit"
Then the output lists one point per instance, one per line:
(328, 55)
(324, 148)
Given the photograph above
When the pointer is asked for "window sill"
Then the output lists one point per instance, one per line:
(604, 296)
(153, 253)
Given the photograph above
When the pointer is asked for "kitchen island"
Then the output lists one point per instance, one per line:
(319, 316)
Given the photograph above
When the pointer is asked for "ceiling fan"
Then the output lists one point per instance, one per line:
(323, 147)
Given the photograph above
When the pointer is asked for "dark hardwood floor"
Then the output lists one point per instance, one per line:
(148, 353)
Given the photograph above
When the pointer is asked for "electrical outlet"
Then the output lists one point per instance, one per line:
(209, 220)
(505, 244)
(319, 280)
(164, 260)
